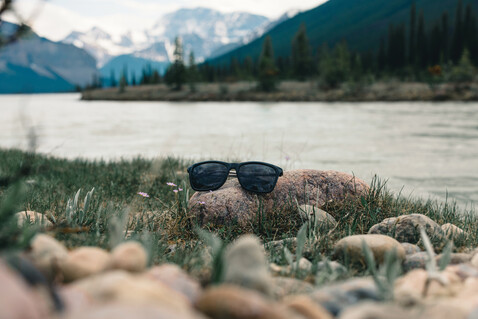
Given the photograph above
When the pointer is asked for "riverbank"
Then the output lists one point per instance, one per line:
(131, 247)
(292, 91)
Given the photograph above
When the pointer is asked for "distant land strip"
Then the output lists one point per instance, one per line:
(292, 91)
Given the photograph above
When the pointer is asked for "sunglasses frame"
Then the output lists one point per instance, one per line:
(236, 167)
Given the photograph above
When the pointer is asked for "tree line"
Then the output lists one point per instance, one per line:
(423, 51)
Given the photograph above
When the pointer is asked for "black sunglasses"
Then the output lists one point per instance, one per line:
(256, 177)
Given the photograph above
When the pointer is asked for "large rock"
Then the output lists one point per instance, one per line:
(231, 203)
(406, 228)
(351, 248)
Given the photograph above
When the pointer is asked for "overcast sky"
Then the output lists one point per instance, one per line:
(57, 18)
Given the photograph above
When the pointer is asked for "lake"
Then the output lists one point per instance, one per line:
(429, 148)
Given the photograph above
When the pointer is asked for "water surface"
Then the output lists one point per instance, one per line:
(430, 148)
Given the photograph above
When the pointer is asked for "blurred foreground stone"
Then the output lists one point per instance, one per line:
(232, 203)
(17, 299)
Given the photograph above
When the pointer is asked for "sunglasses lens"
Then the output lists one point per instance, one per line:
(257, 178)
(208, 176)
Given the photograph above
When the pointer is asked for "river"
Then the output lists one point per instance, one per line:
(430, 149)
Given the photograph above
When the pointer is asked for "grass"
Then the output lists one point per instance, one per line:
(162, 221)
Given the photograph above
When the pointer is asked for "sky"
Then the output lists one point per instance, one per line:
(55, 19)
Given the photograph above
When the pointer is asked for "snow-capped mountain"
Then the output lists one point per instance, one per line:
(202, 30)
(253, 34)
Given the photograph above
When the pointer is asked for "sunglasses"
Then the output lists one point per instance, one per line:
(256, 177)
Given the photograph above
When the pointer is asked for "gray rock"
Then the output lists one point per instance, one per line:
(453, 232)
(286, 286)
(410, 248)
(331, 267)
(415, 261)
(456, 258)
(232, 204)
(324, 220)
(406, 228)
(337, 297)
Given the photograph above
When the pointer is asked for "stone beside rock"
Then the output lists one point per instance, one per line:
(245, 264)
(286, 286)
(351, 248)
(83, 262)
(324, 220)
(47, 253)
(32, 218)
(410, 248)
(17, 300)
(227, 301)
(453, 232)
(130, 256)
(406, 228)
(231, 203)
(176, 279)
(307, 308)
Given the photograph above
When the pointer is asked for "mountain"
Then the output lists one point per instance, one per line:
(202, 30)
(34, 64)
(361, 23)
(254, 34)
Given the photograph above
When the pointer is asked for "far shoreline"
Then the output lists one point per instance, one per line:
(292, 91)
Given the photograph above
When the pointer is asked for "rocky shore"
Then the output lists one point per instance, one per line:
(293, 91)
(408, 266)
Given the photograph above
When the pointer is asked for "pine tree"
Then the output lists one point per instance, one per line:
(422, 53)
(123, 82)
(176, 73)
(193, 73)
(412, 36)
(235, 68)
(267, 68)
(113, 82)
(458, 41)
(445, 46)
(435, 48)
(396, 53)
(248, 67)
(382, 56)
(301, 54)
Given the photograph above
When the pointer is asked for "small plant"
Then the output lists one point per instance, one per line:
(217, 247)
(386, 274)
(431, 266)
(76, 216)
(301, 241)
